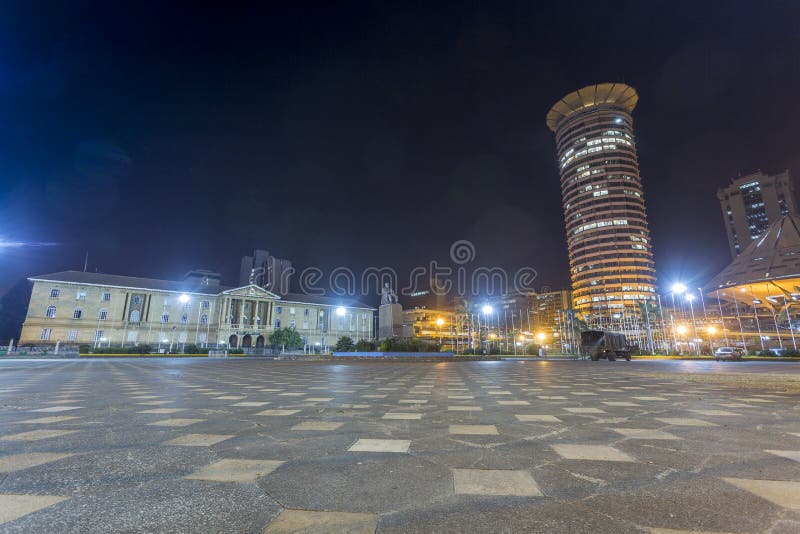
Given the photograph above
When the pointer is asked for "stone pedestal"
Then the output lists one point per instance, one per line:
(390, 321)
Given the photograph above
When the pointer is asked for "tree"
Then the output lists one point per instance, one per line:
(345, 344)
(286, 337)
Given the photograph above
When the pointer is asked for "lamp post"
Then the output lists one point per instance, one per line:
(711, 331)
(690, 298)
(487, 312)
(439, 323)
(681, 330)
(183, 299)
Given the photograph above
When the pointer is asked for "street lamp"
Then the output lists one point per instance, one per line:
(184, 298)
(678, 288)
(690, 298)
(439, 323)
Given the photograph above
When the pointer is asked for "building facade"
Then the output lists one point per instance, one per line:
(608, 239)
(79, 308)
(753, 203)
(265, 270)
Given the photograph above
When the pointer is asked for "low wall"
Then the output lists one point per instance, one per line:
(393, 354)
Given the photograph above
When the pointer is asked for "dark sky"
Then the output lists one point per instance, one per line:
(164, 137)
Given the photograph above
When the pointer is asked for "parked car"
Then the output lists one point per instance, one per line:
(599, 344)
(727, 353)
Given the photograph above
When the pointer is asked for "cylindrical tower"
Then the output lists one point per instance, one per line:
(610, 256)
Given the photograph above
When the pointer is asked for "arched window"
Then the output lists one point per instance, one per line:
(135, 316)
(51, 312)
(277, 323)
(204, 319)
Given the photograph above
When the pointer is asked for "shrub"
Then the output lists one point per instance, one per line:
(365, 346)
(344, 344)
(394, 344)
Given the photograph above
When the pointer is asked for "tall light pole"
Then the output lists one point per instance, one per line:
(439, 323)
(690, 298)
(677, 289)
(487, 313)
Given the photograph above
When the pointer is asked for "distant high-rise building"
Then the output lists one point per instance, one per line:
(752, 203)
(267, 271)
(610, 255)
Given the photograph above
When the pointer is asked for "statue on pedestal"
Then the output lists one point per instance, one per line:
(388, 296)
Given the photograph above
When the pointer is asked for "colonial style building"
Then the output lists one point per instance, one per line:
(74, 307)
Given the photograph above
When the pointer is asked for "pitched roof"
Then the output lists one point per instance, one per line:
(179, 286)
(774, 255)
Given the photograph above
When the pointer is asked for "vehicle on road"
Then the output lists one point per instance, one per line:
(598, 344)
(727, 353)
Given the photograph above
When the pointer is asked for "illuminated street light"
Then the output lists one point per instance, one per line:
(487, 309)
(439, 321)
(540, 336)
(711, 330)
(681, 329)
(340, 311)
(183, 299)
(689, 297)
(678, 288)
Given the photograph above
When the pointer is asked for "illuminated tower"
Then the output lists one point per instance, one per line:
(610, 256)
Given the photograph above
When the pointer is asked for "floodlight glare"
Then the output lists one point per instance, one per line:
(678, 288)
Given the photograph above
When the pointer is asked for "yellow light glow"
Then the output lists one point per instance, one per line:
(540, 336)
(681, 329)
(439, 321)
(711, 330)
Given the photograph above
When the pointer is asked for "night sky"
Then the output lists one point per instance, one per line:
(162, 138)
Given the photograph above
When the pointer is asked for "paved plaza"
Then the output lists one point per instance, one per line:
(198, 445)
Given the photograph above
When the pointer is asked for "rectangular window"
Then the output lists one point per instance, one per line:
(278, 309)
(77, 314)
(106, 296)
(54, 293)
(80, 295)
(103, 315)
(45, 336)
(291, 311)
(205, 304)
(132, 335)
(72, 335)
(98, 335)
(305, 312)
(164, 317)
(137, 299)
(291, 323)
(204, 319)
